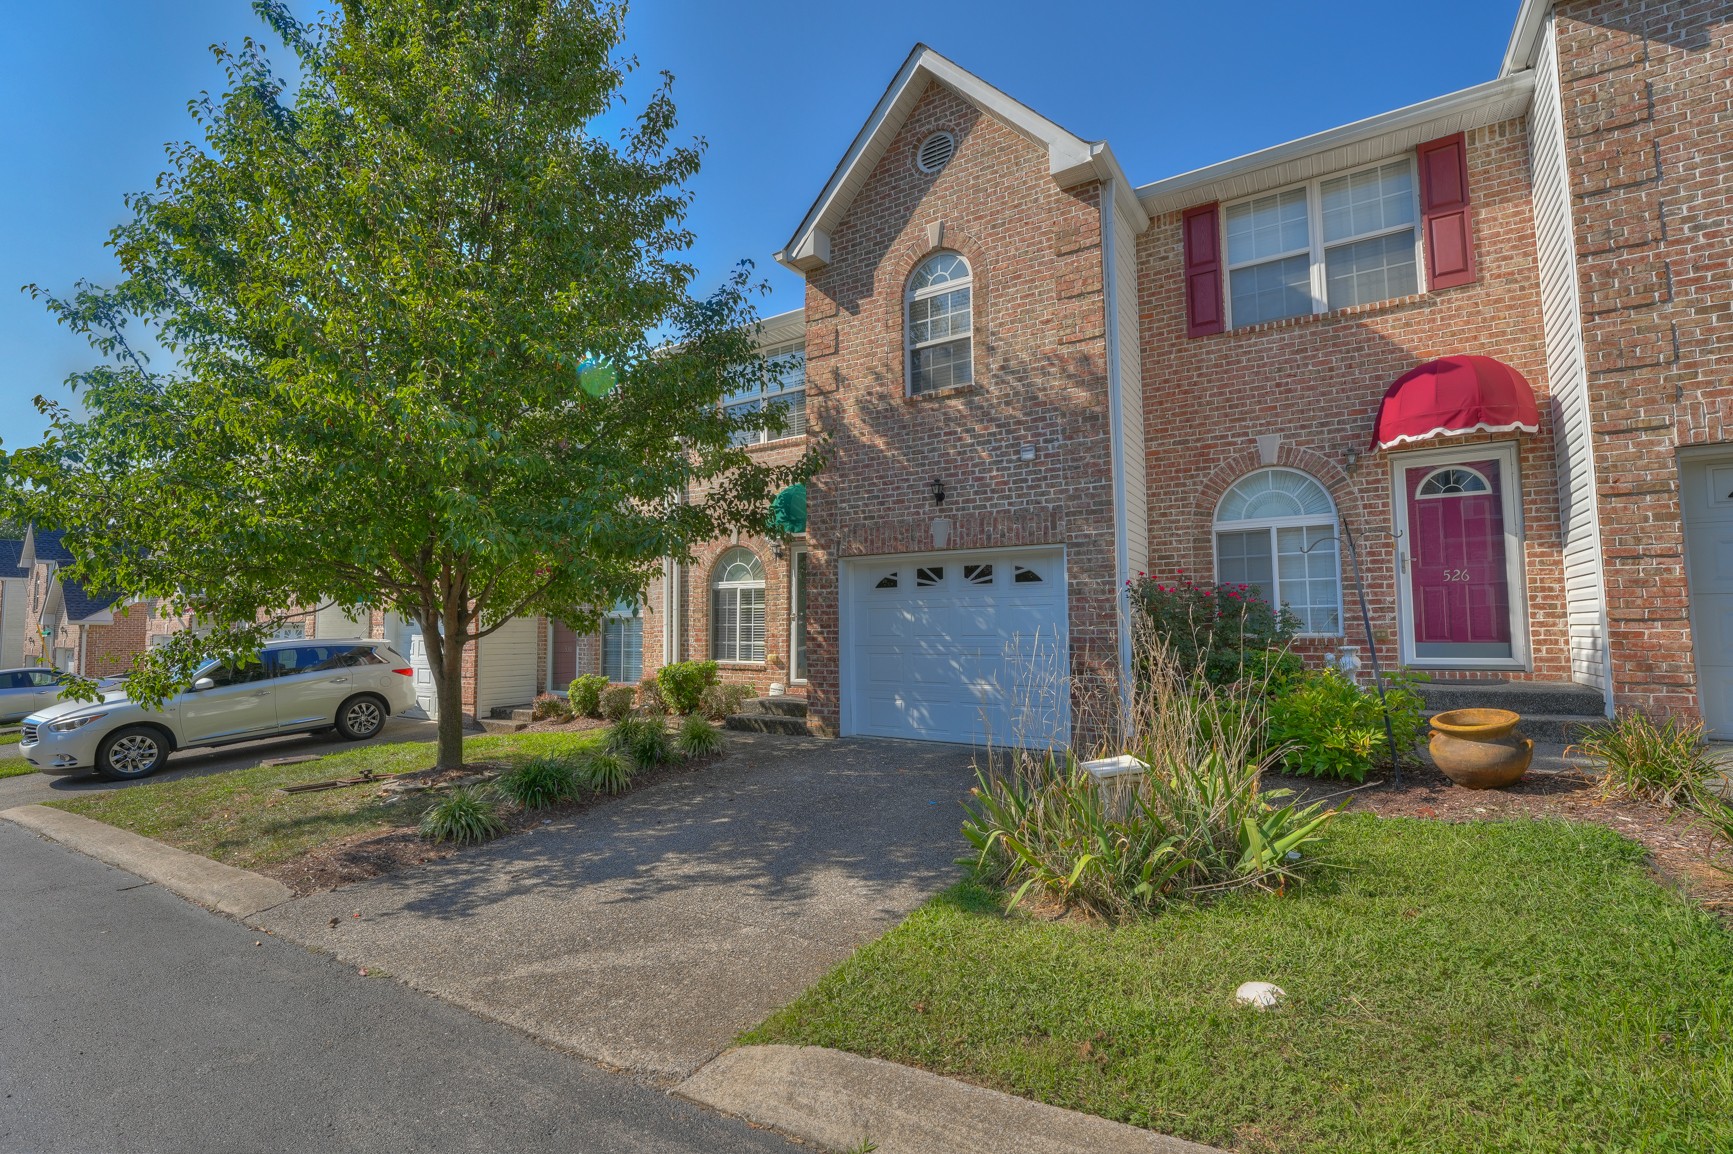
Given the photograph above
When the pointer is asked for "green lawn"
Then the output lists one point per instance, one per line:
(1515, 986)
(15, 767)
(239, 818)
(10, 737)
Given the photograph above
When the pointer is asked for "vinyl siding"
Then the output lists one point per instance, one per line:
(1125, 334)
(1585, 598)
(13, 595)
(506, 666)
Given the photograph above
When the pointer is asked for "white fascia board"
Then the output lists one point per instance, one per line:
(1361, 142)
(1525, 37)
(781, 328)
(1069, 157)
(1099, 163)
(53, 605)
(27, 551)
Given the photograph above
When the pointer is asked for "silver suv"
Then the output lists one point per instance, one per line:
(350, 686)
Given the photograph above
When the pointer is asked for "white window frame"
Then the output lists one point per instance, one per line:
(796, 587)
(911, 295)
(794, 395)
(718, 585)
(1315, 237)
(615, 616)
(1304, 521)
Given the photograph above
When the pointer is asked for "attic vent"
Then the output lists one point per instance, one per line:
(936, 151)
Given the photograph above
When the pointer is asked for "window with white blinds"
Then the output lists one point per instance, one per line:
(737, 608)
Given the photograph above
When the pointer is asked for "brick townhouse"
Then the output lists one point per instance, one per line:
(1490, 335)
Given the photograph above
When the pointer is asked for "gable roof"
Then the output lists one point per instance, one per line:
(1071, 160)
(11, 558)
(42, 545)
(78, 605)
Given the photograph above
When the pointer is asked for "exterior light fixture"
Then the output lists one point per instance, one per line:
(1027, 452)
(1350, 459)
(938, 490)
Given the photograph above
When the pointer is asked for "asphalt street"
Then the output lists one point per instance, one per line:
(133, 1021)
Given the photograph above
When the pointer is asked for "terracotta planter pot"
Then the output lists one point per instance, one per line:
(1477, 750)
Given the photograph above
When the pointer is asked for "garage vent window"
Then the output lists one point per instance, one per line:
(1021, 575)
(926, 578)
(936, 152)
(978, 574)
(737, 608)
(888, 581)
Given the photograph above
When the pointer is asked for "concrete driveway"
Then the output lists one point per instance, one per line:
(649, 932)
(32, 788)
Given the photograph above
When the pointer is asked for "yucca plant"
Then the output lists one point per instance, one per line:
(643, 739)
(608, 773)
(466, 816)
(540, 783)
(1666, 763)
(698, 738)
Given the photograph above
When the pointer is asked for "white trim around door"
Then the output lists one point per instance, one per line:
(1510, 492)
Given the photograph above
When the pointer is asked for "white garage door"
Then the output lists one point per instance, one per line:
(964, 647)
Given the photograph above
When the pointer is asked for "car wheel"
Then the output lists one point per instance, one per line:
(361, 717)
(136, 751)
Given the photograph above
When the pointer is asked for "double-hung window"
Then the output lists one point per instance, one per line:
(939, 324)
(737, 607)
(1343, 240)
(785, 389)
(623, 644)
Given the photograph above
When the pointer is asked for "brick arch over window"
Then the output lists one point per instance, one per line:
(1247, 461)
(893, 278)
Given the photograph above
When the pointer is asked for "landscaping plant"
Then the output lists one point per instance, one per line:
(685, 682)
(1322, 724)
(608, 773)
(650, 699)
(1221, 631)
(585, 694)
(1665, 763)
(617, 702)
(549, 707)
(697, 737)
(541, 782)
(466, 816)
(643, 739)
(725, 699)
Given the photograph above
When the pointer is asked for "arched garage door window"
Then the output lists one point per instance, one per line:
(737, 607)
(1274, 531)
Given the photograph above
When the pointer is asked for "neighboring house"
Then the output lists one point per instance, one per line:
(67, 626)
(14, 603)
(1498, 322)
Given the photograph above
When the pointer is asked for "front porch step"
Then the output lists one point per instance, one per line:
(766, 723)
(503, 725)
(786, 705)
(512, 713)
(1524, 697)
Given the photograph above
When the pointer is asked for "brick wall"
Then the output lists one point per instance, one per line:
(1039, 377)
(1647, 95)
(1316, 382)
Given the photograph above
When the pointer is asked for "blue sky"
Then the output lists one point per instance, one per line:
(93, 90)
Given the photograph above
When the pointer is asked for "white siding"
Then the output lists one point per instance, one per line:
(14, 594)
(1585, 598)
(1125, 332)
(332, 621)
(505, 666)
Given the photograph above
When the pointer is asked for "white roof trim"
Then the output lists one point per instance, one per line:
(1361, 142)
(1071, 160)
(1524, 47)
(782, 328)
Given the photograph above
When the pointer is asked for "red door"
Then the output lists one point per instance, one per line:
(1456, 553)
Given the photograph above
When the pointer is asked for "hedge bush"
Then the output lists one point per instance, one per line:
(684, 682)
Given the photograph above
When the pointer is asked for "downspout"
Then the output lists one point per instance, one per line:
(1116, 425)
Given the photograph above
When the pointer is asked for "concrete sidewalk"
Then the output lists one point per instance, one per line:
(648, 933)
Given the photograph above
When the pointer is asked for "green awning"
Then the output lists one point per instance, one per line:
(788, 510)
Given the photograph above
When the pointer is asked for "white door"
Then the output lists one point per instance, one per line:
(962, 647)
(1706, 496)
(414, 646)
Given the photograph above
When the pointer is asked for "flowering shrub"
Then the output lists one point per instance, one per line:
(1324, 725)
(1228, 633)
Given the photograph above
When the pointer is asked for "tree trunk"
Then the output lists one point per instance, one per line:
(445, 664)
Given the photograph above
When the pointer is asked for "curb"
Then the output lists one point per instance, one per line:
(224, 888)
(842, 1102)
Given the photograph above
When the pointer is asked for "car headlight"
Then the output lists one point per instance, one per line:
(71, 723)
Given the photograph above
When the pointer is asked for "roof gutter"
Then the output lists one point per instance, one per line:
(1524, 47)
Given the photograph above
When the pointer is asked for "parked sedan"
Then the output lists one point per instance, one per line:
(292, 687)
(24, 690)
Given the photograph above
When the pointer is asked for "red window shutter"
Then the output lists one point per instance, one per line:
(1446, 223)
(1203, 270)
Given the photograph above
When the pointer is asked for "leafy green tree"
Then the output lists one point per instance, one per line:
(436, 344)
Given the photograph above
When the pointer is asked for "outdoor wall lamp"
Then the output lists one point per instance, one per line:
(1350, 459)
(778, 550)
(938, 489)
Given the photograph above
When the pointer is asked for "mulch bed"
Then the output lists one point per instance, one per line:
(1679, 850)
(567, 725)
(369, 855)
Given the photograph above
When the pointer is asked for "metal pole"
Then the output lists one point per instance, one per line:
(1372, 648)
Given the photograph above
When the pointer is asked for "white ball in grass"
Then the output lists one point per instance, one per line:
(1259, 995)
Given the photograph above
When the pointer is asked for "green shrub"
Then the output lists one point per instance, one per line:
(719, 701)
(643, 739)
(1664, 763)
(465, 816)
(684, 682)
(608, 773)
(547, 707)
(1220, 631)
(650, 699)
(618, 701)
(1324, 725)
(540, 783)
(585, 694)
(698, 738)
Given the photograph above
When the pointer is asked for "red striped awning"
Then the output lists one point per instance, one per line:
(1452, 396)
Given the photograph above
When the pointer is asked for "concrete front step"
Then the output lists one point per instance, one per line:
(766, 723)
(503, 725)
(785, 706)
(1525, 697)
(1556, 728)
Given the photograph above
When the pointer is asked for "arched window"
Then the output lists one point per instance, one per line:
(1275, 530)
(938, 324)
(737, 607)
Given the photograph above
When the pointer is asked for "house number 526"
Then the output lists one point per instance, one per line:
(1456, 575)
